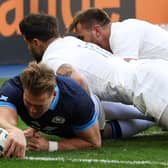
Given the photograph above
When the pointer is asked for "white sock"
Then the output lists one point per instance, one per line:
(133, 126)
(119, 111)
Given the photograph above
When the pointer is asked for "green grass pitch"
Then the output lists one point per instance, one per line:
(146, 150)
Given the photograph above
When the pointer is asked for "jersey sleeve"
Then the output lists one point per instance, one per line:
(85, 116)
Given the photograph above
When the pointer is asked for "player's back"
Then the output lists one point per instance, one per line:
(102, 70)
(139, 39)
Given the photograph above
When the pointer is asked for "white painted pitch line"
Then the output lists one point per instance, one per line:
(134, 162)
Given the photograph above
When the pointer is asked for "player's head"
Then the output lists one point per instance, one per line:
(38, 30)
(90, 24)
(38, 82)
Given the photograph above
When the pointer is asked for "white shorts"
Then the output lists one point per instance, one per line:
(99, 109)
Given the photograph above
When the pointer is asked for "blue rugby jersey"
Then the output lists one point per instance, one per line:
(72, 109)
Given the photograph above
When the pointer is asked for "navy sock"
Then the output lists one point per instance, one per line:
(116, 129)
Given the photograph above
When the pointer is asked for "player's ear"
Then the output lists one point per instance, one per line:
(97, 29)
(54, 93)
(36, 42)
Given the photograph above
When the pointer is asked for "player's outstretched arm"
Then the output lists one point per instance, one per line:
(89, 138)
(15, 144)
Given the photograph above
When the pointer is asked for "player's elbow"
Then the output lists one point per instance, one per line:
(97, 143)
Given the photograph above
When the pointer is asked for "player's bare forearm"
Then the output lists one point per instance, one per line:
(39, 143)
(83, 140)
(86, 139)
(75, 144)
(8, 118)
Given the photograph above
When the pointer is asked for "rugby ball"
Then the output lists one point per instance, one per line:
(3, 137)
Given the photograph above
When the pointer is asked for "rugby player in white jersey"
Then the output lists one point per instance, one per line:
(130, 38)
(41, 35)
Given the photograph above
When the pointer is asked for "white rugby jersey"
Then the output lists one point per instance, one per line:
(143, 83)
(87, 58)
(133, 38)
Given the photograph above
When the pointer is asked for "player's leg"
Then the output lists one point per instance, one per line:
(115, 129)
(120, 128)
(119, 111)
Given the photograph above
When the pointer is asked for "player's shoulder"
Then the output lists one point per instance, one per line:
(65, 82)
(15, 81)
(129, 27)
(138, 23)
(132, 20)
(70, 87)
(12, 85)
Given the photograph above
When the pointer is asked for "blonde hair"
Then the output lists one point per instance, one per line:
(38, 79)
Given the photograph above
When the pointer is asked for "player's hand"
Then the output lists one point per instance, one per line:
(15, 144)
(38, 143)
(29, 132)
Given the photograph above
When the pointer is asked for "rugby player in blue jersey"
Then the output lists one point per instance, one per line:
(52, 104)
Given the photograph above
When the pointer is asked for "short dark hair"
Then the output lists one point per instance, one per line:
(89, 17)
(41, 26)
